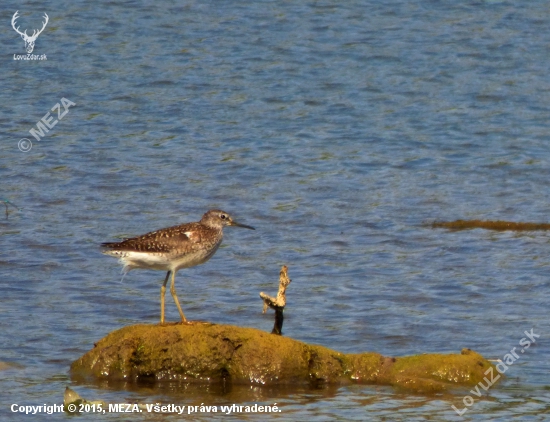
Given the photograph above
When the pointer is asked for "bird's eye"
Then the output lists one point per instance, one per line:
(223, 216)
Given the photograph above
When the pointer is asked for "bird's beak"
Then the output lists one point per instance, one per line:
(234, 223)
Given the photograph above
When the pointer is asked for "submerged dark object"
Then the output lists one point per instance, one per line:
(6, 203)
(490, 225)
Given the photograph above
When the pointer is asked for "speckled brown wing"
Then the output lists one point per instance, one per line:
(164, 241)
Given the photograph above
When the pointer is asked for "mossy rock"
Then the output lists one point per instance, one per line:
(223, 353)
(490, 225)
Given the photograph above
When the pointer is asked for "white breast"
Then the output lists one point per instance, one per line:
(157, 261)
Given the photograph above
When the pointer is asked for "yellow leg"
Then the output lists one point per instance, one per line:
(173, 291)
(162, 291)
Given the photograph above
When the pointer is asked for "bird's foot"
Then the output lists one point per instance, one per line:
(187, 322)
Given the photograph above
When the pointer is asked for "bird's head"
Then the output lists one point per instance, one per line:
(219, 218)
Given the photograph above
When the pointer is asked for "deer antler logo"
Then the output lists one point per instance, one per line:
(29, 41)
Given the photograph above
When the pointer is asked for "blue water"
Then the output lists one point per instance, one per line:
(340, 130)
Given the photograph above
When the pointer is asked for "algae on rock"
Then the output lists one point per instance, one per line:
(224, 353)
(490, 225)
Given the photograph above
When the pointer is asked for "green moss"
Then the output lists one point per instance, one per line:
(212, 353)
(490, 225)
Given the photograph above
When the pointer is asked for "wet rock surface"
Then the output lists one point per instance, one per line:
(211, 353)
